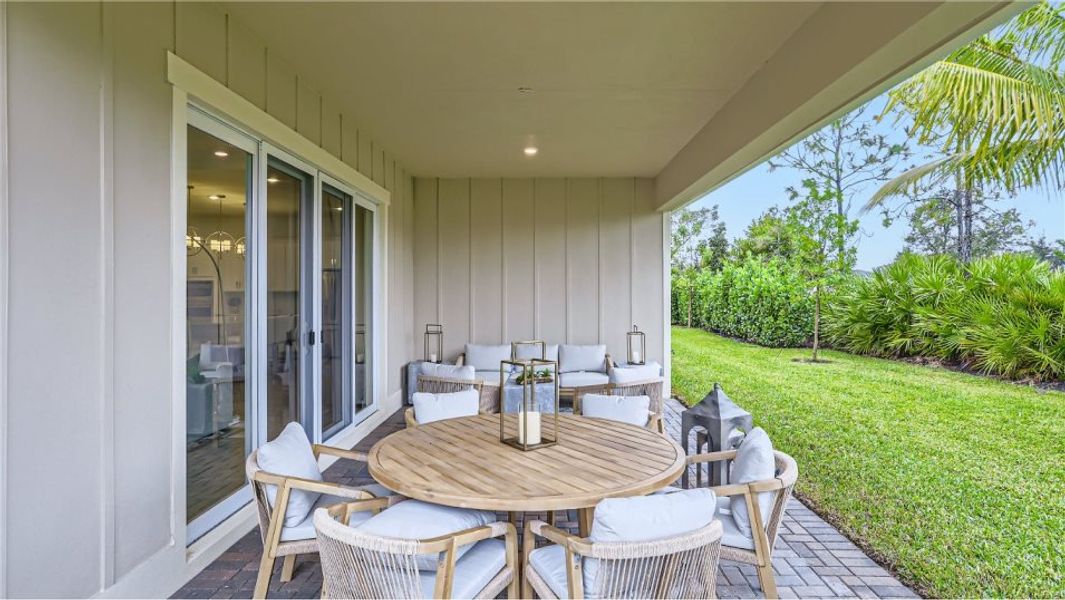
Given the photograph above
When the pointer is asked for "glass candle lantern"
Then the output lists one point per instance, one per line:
(434, 343)
(528, 416)
(637, 347)
(536, 347)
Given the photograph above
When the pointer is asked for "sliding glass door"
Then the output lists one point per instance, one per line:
(280, 279)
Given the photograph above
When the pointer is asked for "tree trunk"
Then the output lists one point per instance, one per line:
(959, 218)
(967, 246)
(817, 320)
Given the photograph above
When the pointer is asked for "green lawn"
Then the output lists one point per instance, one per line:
(957, 481)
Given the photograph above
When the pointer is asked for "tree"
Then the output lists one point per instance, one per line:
(994, 109)
(767, 237)
(690, 250)
(817, 225)
(715, 250)
(1050, 252)
(847, 156)
(937, 225)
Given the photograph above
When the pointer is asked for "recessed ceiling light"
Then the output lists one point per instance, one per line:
(216, 196)
(221, 153)
(339, 209)
(531, 150)
(272, 179)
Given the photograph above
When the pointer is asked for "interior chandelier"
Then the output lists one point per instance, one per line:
(218, 242)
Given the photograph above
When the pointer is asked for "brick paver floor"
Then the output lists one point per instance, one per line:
(811, 560)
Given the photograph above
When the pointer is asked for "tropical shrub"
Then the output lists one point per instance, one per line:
(765, 302)
(1002, 315)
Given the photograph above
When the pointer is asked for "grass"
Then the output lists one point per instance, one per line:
(956, 481)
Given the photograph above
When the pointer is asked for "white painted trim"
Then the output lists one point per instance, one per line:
(3, 297)
(667, 332)
(178, 266)
(198, 84)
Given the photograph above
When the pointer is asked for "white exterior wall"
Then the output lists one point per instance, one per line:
(575, 261)
(88, 453)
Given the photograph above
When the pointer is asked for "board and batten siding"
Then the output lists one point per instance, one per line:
(89, 462)
(564, 260)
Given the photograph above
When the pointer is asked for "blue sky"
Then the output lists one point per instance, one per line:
(744, 198)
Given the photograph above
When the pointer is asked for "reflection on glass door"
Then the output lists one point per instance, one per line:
(362, 309)
(286, 329)
(336, 292)
(217, 410)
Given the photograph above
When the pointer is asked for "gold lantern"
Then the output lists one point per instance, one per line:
(434, 343)
(527, 384)
(637, 347)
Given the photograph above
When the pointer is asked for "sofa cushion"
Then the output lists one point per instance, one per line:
(430, 407)
(572, 357)
(290, 455)
(417, 520)
(473, 571)
(634, 410)
(445, 371)
(526, 351)
(483, 357)
(636, 373)
(304, 530)
(582, 379)
(754, 462)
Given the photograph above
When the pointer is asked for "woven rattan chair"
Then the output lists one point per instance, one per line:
(765, 527)
(444, 385)
(271, 519)
(360, 565)
(652, 388)
(684, 566)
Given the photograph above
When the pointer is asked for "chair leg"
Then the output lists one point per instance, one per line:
(551, 518)
(769, 583)
(584, 521)
(288, 567)
(262, 581)
(526, 587)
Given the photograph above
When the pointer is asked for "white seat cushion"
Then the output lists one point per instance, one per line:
(463, 372)
(304, 530)
(290, 455)
(582, 379)
(754, 462)
(484, 357)
(572, 358)
(473, 571)
(437, 407)
(417, 520)
(634, 410)
(549, 562)
(731, 534)
(636, 373)
(526, 351)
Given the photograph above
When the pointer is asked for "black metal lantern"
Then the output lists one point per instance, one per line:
(637, 347)
(434, 343)
(717, 420)
(528, 389)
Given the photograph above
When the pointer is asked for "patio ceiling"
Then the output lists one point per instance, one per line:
(688, 93)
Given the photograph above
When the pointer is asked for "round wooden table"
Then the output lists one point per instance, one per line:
(461, 462)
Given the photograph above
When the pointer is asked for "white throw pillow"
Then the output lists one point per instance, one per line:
(636, 373)
(483, 357)
(290, 455)
(627, 409)
(754, 462)
(417, 520)
(464, 372)
(581, 358)
(437, 407)
(526, 351)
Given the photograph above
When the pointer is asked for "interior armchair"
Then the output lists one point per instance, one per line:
(287, 495)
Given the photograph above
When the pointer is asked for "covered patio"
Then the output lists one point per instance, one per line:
(812, 559)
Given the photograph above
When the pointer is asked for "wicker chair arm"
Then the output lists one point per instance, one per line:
(609, 364)
(326, 487)
(320, 449)
(408, 417)
(736, 489)
(466, 536)
(712, 457)
(558, 536)
(460, 361)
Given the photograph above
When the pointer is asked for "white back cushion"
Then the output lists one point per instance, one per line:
(417, 520)
(581, 358)
(754, 462)
(484, 357)
(437, 407)
(526, 351)
(634, 410)
(290, 455)
(464, 372)
(636, 373)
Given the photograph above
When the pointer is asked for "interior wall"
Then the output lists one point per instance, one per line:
(88, 442)
(564, 260)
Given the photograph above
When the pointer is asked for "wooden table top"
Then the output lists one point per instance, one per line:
(461, 462)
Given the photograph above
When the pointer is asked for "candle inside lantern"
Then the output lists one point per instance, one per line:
(534, 428)
(432, 357)
(635, 356)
